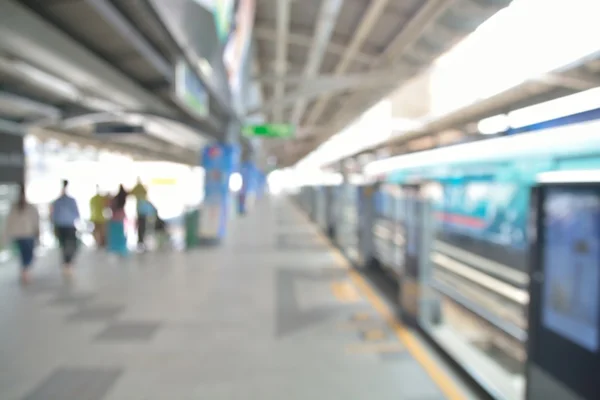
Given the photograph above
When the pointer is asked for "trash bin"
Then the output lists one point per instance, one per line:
(191, 228)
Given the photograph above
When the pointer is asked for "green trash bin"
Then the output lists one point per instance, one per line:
(191, 228)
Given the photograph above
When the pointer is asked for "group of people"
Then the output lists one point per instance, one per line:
(107, 215)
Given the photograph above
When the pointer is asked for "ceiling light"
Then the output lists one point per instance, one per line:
(493, 125)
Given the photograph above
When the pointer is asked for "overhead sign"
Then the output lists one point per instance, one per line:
(109, 128)
(190, 92)
(12, 158)
(238, 43)
(280, 131)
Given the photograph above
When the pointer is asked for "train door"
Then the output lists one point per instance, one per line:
(564, 315)
(347, 230)
(366, 210)
(413, 227)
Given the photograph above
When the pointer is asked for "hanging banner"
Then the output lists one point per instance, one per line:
(238, 43)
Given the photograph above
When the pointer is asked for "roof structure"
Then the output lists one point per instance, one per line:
(460, 125)
(319, 65)
(322, 63)
(107, 58)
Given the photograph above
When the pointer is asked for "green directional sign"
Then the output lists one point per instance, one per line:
(280, 131)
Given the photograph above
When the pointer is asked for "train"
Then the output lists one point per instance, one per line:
(449, 226)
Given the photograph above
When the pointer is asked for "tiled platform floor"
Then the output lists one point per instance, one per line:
(268, 315)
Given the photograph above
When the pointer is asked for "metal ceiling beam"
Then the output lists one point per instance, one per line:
(571, 81)
(329, 85)
(328, 15)
(12, 127)
(371, 17)
(281, 49)
(25, 34)
(413, 30)
(266, 33)
(29, 107)
(122, 25)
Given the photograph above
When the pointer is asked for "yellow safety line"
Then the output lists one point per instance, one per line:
(373, 335)
(345, 292)
(441, 379)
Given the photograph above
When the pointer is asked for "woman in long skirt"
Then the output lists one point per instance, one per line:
(117, 241)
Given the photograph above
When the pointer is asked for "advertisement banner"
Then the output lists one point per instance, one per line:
(219, 162)
(572, 277)
(236, 48)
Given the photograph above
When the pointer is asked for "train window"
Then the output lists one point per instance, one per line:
(433, 191)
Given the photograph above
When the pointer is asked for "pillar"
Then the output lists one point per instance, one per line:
(220, 161)
(251, 178)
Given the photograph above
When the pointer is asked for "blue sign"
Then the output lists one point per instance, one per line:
(219, 162)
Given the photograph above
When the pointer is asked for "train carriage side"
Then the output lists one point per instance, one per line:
(474, 278)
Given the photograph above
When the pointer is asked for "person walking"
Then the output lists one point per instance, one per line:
(117, 241)
(98, 204)
(23, 228)
(141, 196)
(65, 215)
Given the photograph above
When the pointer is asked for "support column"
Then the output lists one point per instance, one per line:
(251, 176)
(220, 161)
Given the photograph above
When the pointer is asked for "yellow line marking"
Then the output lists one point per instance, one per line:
(362, 316)
(444, 382)
(441, 379)
(384, 347)
(345, 292)
(373, 335)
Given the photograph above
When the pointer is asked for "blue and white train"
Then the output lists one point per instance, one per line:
(459, 215)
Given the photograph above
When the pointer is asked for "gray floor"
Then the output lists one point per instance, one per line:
(257, 318)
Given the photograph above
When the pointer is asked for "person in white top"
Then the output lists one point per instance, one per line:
(23, 228)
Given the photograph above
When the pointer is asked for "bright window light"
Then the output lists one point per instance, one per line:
(493, 125)
(235, 182)
(580, 138)
(568, 105)
(374, 126)
(562, 107)
(505, 50)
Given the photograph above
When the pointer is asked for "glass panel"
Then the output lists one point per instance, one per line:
(474, 300)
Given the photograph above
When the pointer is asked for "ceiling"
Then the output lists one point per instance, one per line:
(322, 63)
(460, 126)
(319, 64)
(116, 55)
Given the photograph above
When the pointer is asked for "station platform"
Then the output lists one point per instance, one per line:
(273, 313)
